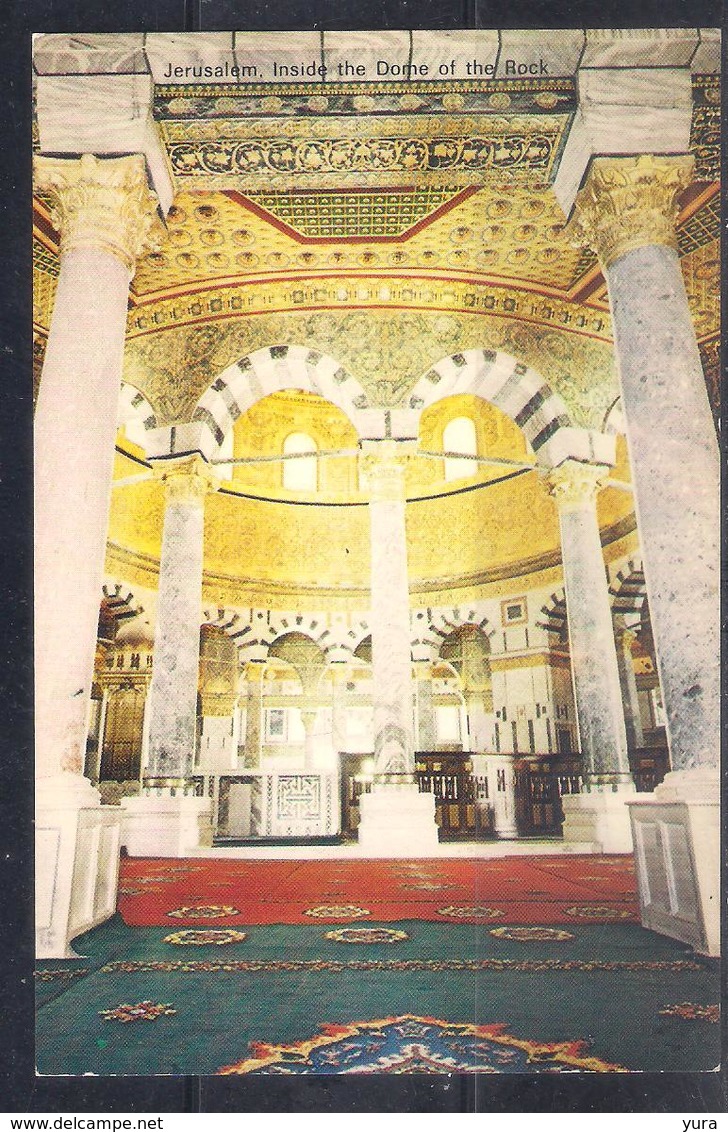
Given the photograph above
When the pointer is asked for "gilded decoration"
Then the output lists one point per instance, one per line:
(387, 351)
(628, 203)
(574, 485)
(104, 204)
(705, 127)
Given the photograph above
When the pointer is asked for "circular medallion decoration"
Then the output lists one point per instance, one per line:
(200, 937)
(526, 935)
(204, 912)
(366, 935)
(470, 911)
(597, 912)
(337, 912)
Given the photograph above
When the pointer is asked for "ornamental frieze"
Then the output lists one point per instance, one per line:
(264, 161)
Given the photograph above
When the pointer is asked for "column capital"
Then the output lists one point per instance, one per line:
(628, 203)
(187, 480)
(101, 203)
(382, 464)
(574, 485)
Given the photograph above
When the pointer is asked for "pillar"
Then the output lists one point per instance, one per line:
(166, 821)
(626, 212)
(395, 817)
(426, 719)
(625, 638)
(502, 794)
(107, 217)
(254, 715)
(339, 728)
(308, 719)
(216, 740)
(597, 817)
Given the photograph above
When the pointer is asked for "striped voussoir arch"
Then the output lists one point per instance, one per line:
(119, 602)
(309, 625)
(270, 370)
(517, 390)
(134, 406)
(440, 623)
(554, 613)
(628, 589)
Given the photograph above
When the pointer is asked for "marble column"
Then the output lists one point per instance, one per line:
(625, 638)
(338, 707)
(216, 739)
(107, 217)
(392, 689)
(254, 715)
(603, 738)
(626, 212)
(426, 719)
(395, 817)
(173, 693)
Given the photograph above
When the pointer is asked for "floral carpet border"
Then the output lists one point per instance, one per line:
(131, 966)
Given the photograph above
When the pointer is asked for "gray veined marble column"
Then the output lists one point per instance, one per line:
(632, 720)
(426, 718)
(173, 693)
(597, 688)
(626, 212)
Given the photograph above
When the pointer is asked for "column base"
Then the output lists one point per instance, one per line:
(77, 862)
(159, 825)
(598, 820)
(677, 854)
(397, 821)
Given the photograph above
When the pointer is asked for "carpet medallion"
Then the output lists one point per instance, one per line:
(204, 912)
(531, 935)
(366, 935)
(200, 937)
(411, 1044)
(146, 1011)
(692, 1012)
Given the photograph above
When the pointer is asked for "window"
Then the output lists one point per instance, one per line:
(275, 725)
(459, 436)
(300, 474)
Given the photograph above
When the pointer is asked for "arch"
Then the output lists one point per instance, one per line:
(516, 389)
(307, 624)
(118, 603)
(628, 589)
(441, 623)
(554, 618)
(270, 370)
(134, 413)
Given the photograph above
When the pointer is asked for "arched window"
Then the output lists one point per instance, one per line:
(300, 474)
(459, 436)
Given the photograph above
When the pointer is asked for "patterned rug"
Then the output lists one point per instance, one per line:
(524, 890)
(410, 1044)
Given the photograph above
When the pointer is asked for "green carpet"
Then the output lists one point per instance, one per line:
(605, 986)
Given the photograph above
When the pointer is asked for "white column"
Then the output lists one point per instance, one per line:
(626, 212)
(175, 672)
(426, 722)
(308, 719)
(502, 794)
(597, 688)
(395, 817)
(390, 620)
(625, 638)
(106, 215)
(253, 715)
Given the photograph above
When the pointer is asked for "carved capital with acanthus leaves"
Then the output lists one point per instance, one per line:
(187, 481)
(628, 203)
(574, 485)
(102, 203)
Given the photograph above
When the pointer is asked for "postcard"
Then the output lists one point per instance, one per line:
(377, 552)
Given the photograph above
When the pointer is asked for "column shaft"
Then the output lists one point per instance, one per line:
(173, 693)
(104, 212)
(591, 636)
(630, 700)
(675, 465)
(390, 620)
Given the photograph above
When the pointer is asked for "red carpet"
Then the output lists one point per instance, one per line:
(512, 890)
